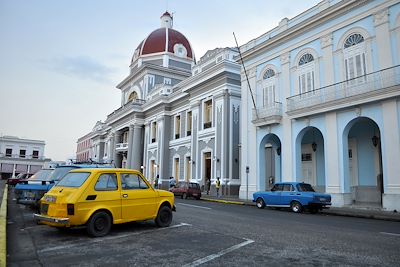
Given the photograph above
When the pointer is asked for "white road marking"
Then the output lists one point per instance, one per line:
(98, 240)
(385, 233)
(219, 254)
(195, 206)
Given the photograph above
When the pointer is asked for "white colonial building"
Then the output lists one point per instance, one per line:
(326, 86)
(19, 155)
(177, 118)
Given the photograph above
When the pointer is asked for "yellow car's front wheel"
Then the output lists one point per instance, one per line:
(164, 216)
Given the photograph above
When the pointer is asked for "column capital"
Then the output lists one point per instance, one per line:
(381, 17)
(285, 58)
(326, 40)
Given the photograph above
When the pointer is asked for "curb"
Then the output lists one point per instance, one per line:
(3, 219)
(225, 201)
(338, 213)
(364, 216)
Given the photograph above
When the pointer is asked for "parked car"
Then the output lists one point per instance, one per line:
(37, 178)
(98, 198)
(30, 193)
(187, 189)
(20, 177)
(294, 195)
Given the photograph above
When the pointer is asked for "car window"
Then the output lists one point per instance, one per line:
(132, 181)
(193, 185)
(182, 185)
(287, 187)
(106, 182)
(74, 179)
(305, 188)
(277, 187)
(59, 173)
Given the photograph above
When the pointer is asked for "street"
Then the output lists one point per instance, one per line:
(209, 234)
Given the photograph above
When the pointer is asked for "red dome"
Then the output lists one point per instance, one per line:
(156, 42)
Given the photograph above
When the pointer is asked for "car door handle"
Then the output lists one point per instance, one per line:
(298, 194)
(125, 195)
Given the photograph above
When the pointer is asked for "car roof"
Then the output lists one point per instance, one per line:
(104, 170)
(293, 183)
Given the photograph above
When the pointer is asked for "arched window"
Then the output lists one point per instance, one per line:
(133, 96)
(306, 73)
(354, 58)
(268, 88)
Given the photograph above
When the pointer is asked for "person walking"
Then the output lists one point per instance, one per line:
(156, 181)
(208, 186)
(217, 186)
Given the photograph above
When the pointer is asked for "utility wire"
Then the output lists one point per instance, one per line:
(247, 78)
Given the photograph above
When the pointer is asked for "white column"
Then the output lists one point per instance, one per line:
(390, 140)
(333, 177)
(195, 156)
(327, 54)
(381, 21)
(248, 138)
(287, 150)
(137, 148)
(130, 147)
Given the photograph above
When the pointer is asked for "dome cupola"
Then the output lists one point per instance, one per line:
(165, 41)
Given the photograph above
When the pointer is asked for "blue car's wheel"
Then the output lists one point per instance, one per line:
(296, 207)
(260, 203)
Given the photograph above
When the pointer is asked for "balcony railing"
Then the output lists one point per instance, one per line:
(121, 146)
(124, 108)
(376, 83)
(269, 114)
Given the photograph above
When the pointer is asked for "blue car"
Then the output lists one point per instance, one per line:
(30, 192)
(294, 195)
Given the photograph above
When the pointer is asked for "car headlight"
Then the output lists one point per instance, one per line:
(50, 199)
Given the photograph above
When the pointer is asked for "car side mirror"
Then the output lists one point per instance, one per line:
(273, 189)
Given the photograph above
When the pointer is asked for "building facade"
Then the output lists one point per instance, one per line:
(19, 155)
(326, 87)
(177, 118)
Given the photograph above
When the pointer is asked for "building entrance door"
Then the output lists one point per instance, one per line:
(207, 167)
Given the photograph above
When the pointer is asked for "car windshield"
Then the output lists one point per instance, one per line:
(74, 179)
(59, 173)
(305, 188)
(41, 175)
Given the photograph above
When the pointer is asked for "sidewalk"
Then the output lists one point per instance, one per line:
(351, 211)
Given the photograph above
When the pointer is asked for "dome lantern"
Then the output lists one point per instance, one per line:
(166, 20)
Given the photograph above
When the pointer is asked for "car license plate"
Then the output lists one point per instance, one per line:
(30, 195)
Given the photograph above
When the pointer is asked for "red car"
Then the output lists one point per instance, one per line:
(187, 189)
(19, 178)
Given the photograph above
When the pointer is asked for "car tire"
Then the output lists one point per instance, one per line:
(99, 224)
(164, 217)
(260, 203)
(184, 195)
(296, 207)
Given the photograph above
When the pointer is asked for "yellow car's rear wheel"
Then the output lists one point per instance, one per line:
(99, 224)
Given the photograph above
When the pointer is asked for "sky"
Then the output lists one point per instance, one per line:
(60, 61)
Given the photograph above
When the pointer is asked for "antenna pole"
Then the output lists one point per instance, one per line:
(247, 78)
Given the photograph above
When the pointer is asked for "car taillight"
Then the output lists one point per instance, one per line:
(70, 209)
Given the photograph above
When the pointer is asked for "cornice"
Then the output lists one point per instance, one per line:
(318, 19)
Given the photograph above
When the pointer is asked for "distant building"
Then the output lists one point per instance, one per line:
(19, 155)
(327, 89)
(177, 118)
(83, 148)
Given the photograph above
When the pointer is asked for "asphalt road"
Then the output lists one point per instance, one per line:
(209, 234)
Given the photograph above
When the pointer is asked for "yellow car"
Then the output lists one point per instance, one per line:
(99, 198)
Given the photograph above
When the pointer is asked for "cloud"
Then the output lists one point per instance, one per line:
(81, 67)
